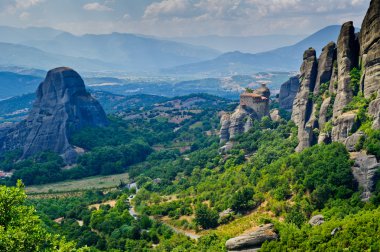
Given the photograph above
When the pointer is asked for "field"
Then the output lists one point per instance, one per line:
(98, 182)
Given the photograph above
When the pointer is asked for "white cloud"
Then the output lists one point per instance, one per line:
(25, 4)
(96, 7)
(167, 8)
(24, 15)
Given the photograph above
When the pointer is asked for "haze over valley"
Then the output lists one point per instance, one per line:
(189, 125)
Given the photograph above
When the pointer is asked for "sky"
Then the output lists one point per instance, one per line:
(183, 18)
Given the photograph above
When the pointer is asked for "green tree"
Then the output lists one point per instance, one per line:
(242, 200)
(20, 227)
(206, 217)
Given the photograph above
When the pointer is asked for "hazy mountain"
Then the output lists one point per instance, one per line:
(47, 48)
(29, 57)
(249, 44)
(286, 58)
(17, 35)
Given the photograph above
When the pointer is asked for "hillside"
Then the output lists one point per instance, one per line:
(13, 84)
(157, 171)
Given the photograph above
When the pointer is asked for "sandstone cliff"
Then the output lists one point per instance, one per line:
(288, 92)
(370, 49)
(302, 105)
(323, 107)
(62, 107)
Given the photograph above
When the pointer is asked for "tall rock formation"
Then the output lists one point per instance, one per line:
(347, 59)
(288, 92)
(325, 66)
(370, 49)
(62, 107)
(302, 105)
(331, 119)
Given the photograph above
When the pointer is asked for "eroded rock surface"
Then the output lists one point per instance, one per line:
(252, 240)
(347, 59)
(374, 111)
(288, 92)
(302, 106)
(370, 49)
(62, 107)
(325, 66)
(343, 126)
(364, 171)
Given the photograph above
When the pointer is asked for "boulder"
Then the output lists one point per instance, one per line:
(302, 105)
(288, 92)
(347, 59)
(353, 140)
(370, 49)
(335, 230)
(62, 107)
(275, 115)
(226, 212)
(343, 126)
(227, 147)
(317, 220)
(364, 171)
(252, 240)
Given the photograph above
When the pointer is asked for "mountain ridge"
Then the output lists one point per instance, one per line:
(281, 59)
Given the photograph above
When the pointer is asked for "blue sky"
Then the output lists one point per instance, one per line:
(174, 18)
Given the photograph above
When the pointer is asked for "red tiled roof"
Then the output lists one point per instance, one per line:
(253, 95)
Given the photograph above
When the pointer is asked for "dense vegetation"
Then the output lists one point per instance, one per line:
(21, 229)
(186, 182)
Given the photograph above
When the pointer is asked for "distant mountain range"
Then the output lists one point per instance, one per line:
(47, 48)
(287, 58)
(248, 44)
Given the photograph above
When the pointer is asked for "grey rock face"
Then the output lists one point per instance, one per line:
(288, 92)
(63, 106)
(353, 140)
(374, 110)
(252, 240)
(323, 117)
(237, 122)
(333, 88)
(364, 171)
(347, 58)
(325, 66)
(225, 122)
(317, 220)
(343, 126)
(370, 49)
(302, 105)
